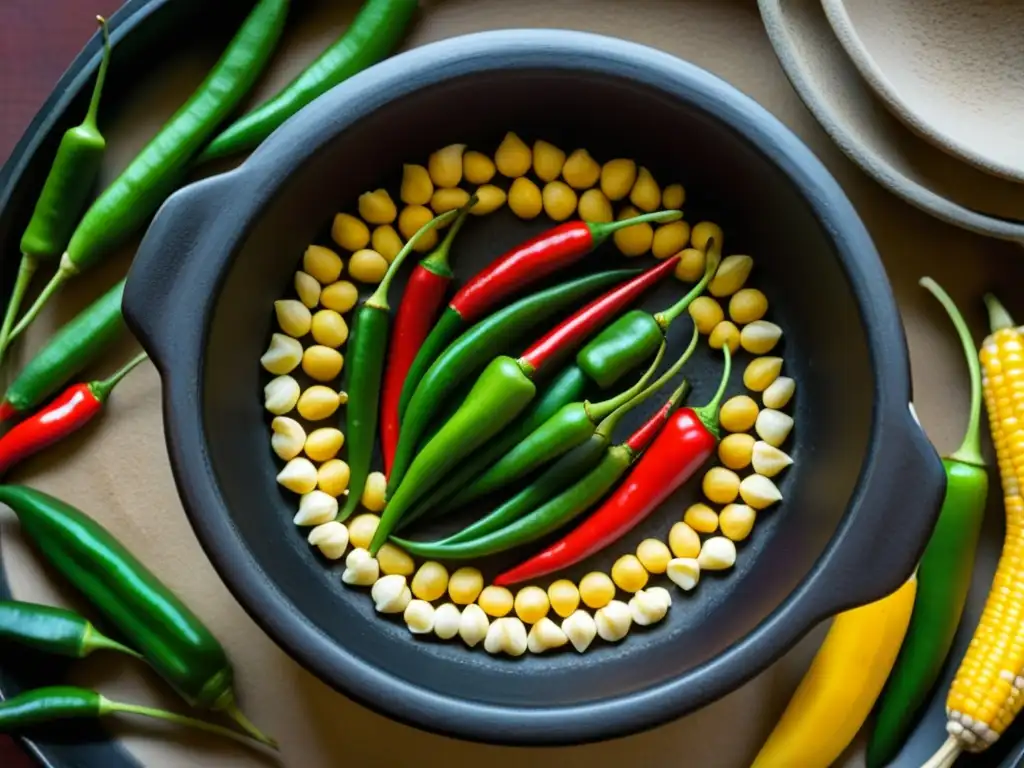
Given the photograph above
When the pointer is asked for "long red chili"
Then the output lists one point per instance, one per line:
(421, 304)
(71, 410)
(680, 449)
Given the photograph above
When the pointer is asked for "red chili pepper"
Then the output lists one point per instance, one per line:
(71, 410)
(680, 449)
(421, 304)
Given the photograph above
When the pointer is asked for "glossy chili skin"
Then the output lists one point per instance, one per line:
(53, 630)
(70, 411)
(47, 705)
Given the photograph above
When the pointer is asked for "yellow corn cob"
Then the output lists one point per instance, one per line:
(988, 690)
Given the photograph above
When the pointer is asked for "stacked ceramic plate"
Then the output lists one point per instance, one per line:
(927, 96)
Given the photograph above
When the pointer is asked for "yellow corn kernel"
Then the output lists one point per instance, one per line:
(293, 316)
(617, 178)
(386, 241)
(322, 263)
(653, 555)
(683, 541)
(445, 166)
(288, 439)
(581, 171)
(367, 266)
(670, 239)
(725, 334)
(673, 197)
(393, 559)
(646, 194)
(477, 168)
(496, 601)
(298, 475)
(629, 574)
(690, 268)
(597, 589)
(737, 521)
(411, 219)
(350, 232)
(465, 585)
(322, 363)
(416, 185)
(329, 328)
(444, 200)
(532, 603)
(721, 486)
(747, 305)
(702, 518)
(323, 444)
(377, 207)
(559, 200)
(736, 451)
(761, 372)
(513, 158)
(361, 529)
(340, 296)
(738, 414)
(280, 395)
(282, 356)
(547, 161)
(332, 477)
(489, 198)
(731, 275)
(635, 240)
(704, 232)
(524, 198)
(430, 582)
(307, 288)
(706, 314)
(374, 492)
(564, 597)
(318, 402)
(595, 207)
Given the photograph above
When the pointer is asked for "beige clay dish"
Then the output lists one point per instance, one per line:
(954, 77)
(864, 129)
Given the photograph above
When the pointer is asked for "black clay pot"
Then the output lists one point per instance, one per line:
(859, 502)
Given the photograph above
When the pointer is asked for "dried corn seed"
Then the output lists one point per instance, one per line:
(393, 559)
(489, 199)
(547, 161)
(411, 220)
(653, 555)
(635, 240)
(532, 604)
(373, 493)
(349, 232)
(760, 337)
(683, 540)
(465, 585)
(329, 328)
(761, 372)
(288, 439)
(706, 314)
(307, 288)
(595, 207)
(690, 268)
(445, 165)
(660, 594)
(684, 572)
(617, 178)
(361, 529)
(613, 621)
(316, 507)
(559, 200)
(377, 207)
(322, 263)
(361, 568)
(496, 601)
(340, 296)
(416, 185)
(759, 492)
(721, 486)
(737, 521)
(673, 197)
(581, 171)
(419, 617)
(731, 275)
(386, 241)
(477, 168)
(293, 316)
(430, 582)
(670, 239)
(646, 194)
(283, 355)
(596, 589)
(704, 232)
(280, 395)
(332, 477)
(391, 594)
(768, 460)
(444, 200)
(331, 538)
(717, 554)
(545, 635)
(736, 450)
(446, 621)
(524, 198)
(506, 635)
(513, 158)
(747, 305)
(773, 426)
(323, 444)
(646, 609)
(368, 266)
(322, 363)
(298, 475)
(738, 413)
(629, 574)
(581, 630)
(779, 393)
(701, 518)
(473, 624)
(725, 334)
(564, 597)
(318, 402)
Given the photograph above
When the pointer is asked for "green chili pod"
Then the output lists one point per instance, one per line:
(54, 630)
(620, 347)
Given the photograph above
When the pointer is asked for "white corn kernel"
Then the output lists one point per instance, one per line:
(661, 594)
(760, 337)
(613, 621)
(293, 316)
(331, 538)
(544, 636)
(298, 475)
(282, 356)
(288, 439)
(361, 568)
(316, 508)
(281, 394)
(731, 275)
(768, 460)
(646, 608)
(419, 617)
(779, 393)
(307, 288)
(773, 426)
(759, 492)
(581, 630)
(684, 572)
(473, 624)
(446, 621)
(391, 594)
(506, 635)
(495, 641)
(717, 554)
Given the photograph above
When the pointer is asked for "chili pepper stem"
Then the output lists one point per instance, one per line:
(713, 257)
(26, 271)
(101, 77)
(65, 272)
(236, 714)
(101, 389)
(708, 414)
(379, 298)
(108, 707)
(437, 262)
(601, 231)
(96, 641)
(598, 411)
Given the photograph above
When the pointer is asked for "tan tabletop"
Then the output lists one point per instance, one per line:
(118, 471)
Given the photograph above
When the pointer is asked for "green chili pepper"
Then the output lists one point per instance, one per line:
(54, 630)
(135, 195)
(371, 36)
(67, 187)
(58, 703)
(943, 576)
(475, 348)
(71, 349)
(367, 349)
(170, 637)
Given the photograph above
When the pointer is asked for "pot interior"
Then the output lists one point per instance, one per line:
(727, 180)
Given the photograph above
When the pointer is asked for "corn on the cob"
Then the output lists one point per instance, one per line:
(988, 690)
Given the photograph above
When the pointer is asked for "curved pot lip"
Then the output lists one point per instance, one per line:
(295, 143)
